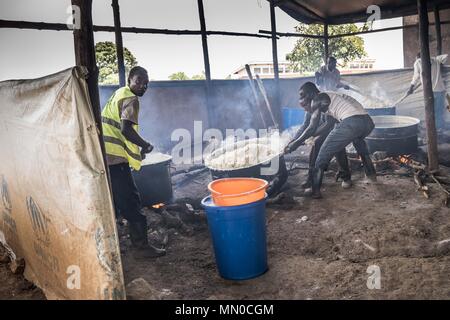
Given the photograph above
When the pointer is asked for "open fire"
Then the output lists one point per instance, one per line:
(158, 206)
(404, 159)
(422, 177)
(408, 161)
(417, 170)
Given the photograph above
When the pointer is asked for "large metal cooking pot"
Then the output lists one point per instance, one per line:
(258, 170)
(153, 180)
(396, 135)
(250, 172)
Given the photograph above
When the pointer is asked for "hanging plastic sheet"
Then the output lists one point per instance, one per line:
(56, 210)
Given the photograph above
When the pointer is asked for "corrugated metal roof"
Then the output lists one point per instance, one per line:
(350, 11)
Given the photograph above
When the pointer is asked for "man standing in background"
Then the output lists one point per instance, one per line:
(328, 78)
(439, 90)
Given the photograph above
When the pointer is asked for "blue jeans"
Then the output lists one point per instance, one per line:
(439, 109)
(351, 130)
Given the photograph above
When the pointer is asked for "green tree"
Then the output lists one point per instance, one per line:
(105, 53)
(307, 55)
(178, 76)
(201, 76)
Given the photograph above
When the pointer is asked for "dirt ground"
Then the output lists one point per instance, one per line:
(15, 287)
(388, 225)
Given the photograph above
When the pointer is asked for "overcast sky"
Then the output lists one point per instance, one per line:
(32, 53)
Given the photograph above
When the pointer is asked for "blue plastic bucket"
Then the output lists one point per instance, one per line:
(292, 117)
(239, 238)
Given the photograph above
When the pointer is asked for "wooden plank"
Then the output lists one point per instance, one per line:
(204, 41)
(275, 58)
(301, 35)
(433, 163)
(209, 106)
(266, 99)
(119, 42)
(255, 94)
(437, 21)
(85, 53)
(85, 56)
(291, 34)
(63, 27)
(326, 50)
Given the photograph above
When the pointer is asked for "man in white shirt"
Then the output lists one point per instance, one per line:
(353, 125)
(328, 78)
(439, 90)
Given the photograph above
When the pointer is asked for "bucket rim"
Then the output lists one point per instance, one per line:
(264, 186)
(240, 206)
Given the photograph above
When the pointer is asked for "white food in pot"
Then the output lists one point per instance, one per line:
(243, 154)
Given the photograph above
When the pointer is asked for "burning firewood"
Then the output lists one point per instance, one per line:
(421, 176)
(411, 163)
(419, 179)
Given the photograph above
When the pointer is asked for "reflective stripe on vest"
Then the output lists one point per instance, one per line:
(115, 143)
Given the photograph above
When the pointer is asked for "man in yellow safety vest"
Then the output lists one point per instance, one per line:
(125, 148)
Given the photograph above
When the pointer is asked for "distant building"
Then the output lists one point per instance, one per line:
(411, 37)
(358, 66)
(265, 70)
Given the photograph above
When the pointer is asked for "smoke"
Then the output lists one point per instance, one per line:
(373, 97)
(378, 93)
(242, 149)
(234, 108)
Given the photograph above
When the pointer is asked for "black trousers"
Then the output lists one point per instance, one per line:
(314, 152)
(126, 197)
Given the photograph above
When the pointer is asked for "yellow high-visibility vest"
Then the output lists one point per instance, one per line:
(115, 143)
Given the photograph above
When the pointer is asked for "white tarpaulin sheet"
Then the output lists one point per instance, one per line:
(390, 86)
(56, 209)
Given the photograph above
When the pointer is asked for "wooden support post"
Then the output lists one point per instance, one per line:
(325, 42)
(437, 21)
(85, 53)
(119, 42)
(85, 56)
(433, 163)
(277, 101)
(201, 13)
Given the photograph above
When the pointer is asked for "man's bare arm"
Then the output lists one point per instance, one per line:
(131, 135)
(314, 123)
(326, 126)
(304, 126)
